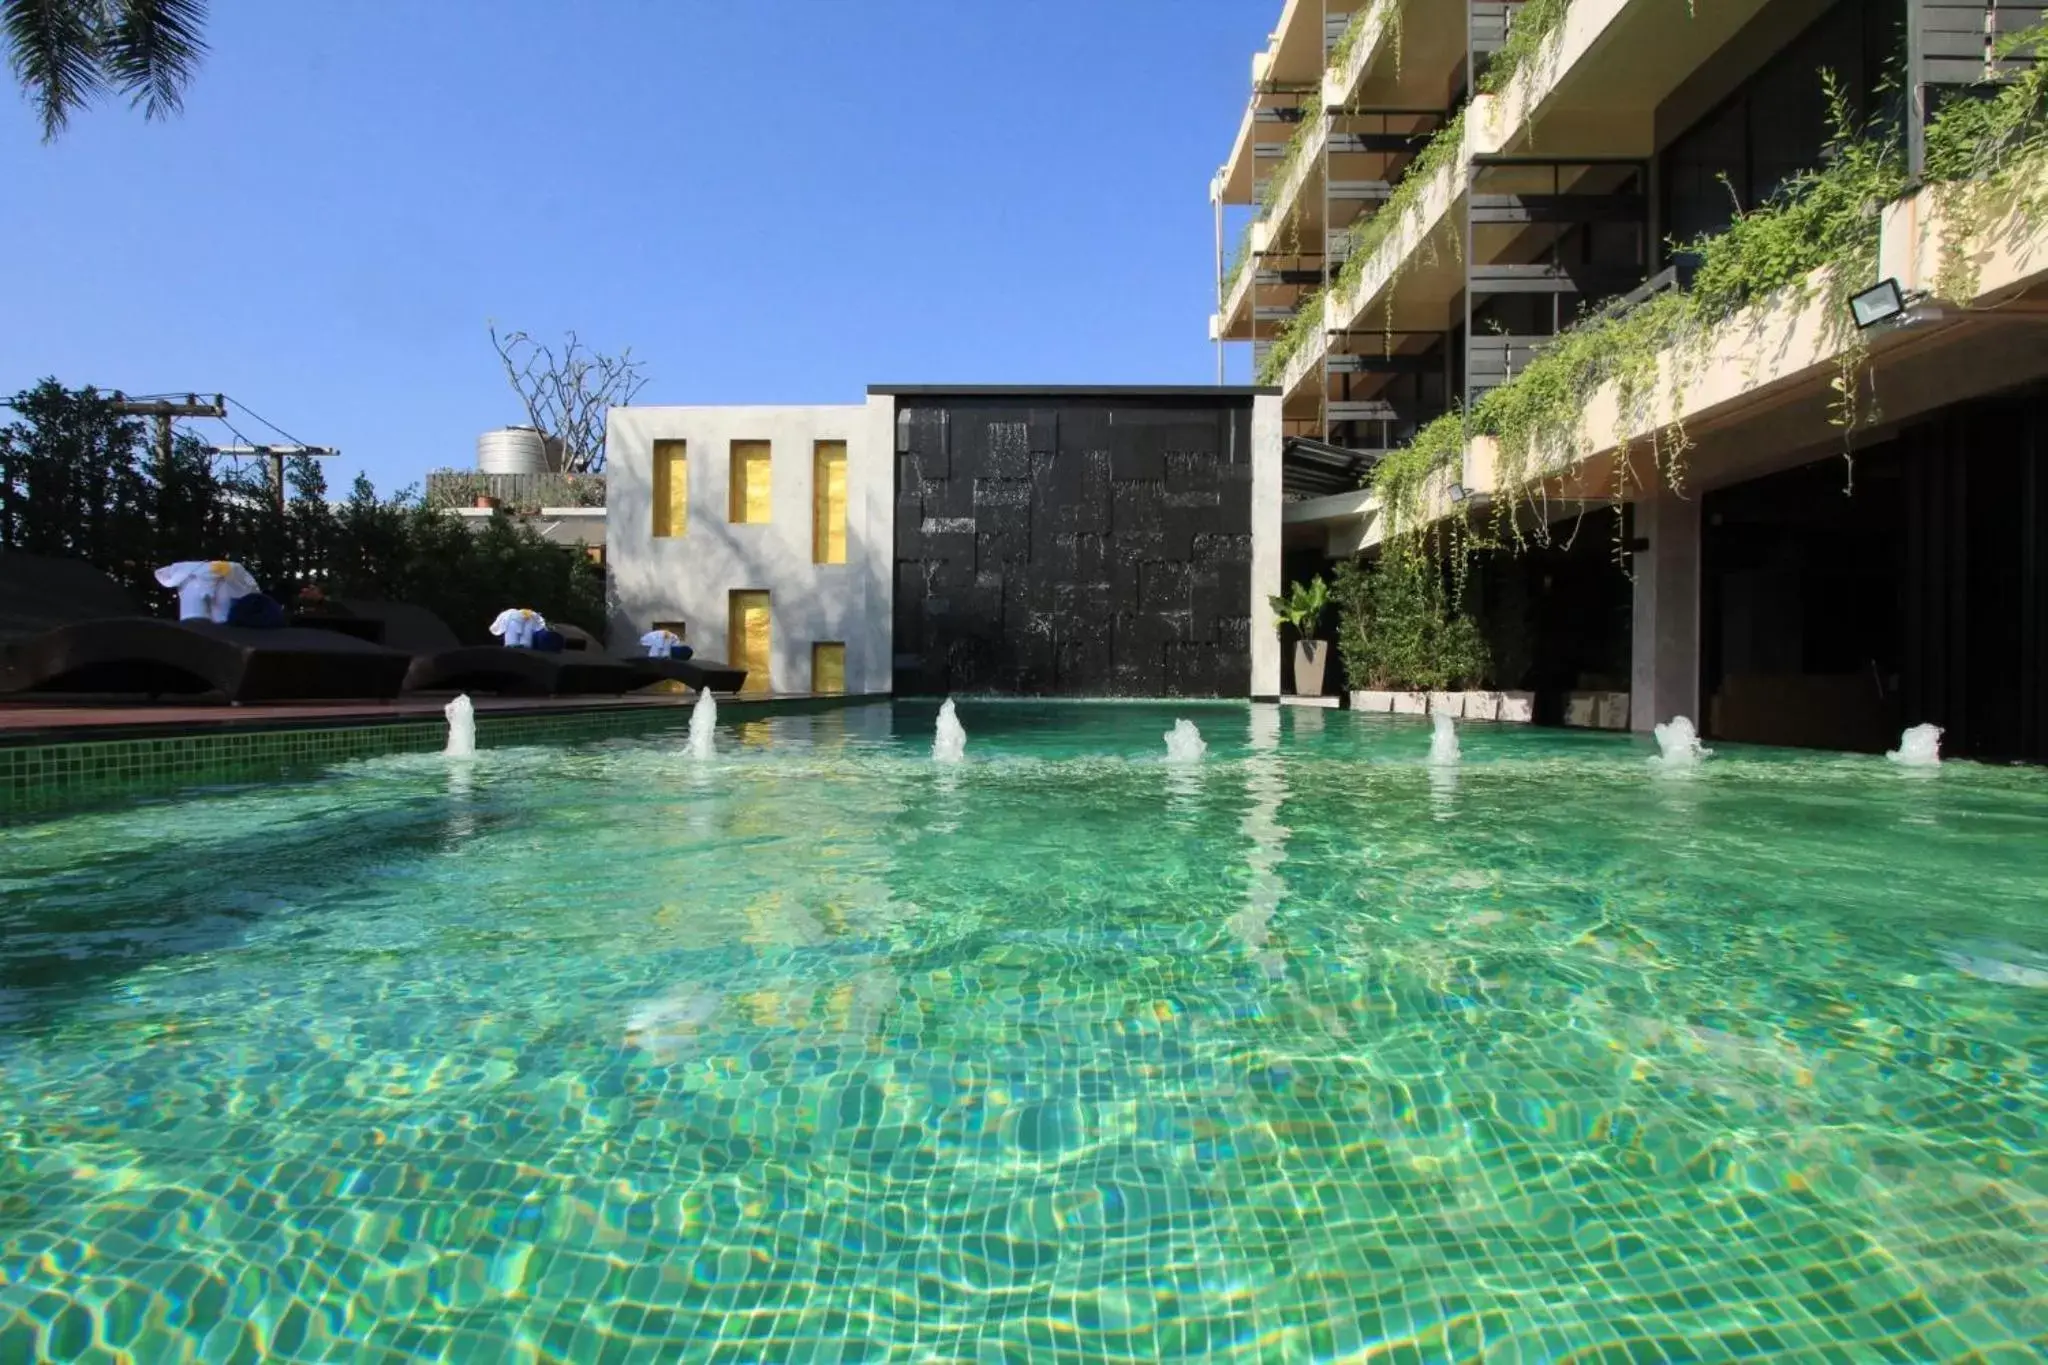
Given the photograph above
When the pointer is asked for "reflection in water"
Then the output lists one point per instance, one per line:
(1308, 721)
(1443, 791)
(1183, 790)
(946, 780)
(1265, 790)
(461, 802)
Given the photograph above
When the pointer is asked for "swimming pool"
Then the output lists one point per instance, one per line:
(820, 1051)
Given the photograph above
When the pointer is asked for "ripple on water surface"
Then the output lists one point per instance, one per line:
(813, 1050)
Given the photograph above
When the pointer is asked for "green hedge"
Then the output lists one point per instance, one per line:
(79, 480)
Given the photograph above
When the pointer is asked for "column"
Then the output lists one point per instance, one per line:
(1664, 671)
(1267, 443)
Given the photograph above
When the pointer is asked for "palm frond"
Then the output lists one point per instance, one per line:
(151, 50)
(53, 48)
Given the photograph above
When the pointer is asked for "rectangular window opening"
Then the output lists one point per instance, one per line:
(828, 503)
(671, 488)
(828, 668)
(748, 637)
(751, 487)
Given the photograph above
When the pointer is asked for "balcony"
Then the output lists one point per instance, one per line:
(1349, 140)
(1757, 393)
(1495, 220)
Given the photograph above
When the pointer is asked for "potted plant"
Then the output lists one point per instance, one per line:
(1302, 608)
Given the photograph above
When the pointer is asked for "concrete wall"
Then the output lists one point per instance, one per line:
(1267, 533)
(687, 578)
(1664, 672)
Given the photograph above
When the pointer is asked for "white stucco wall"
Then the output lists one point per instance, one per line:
(687, 578)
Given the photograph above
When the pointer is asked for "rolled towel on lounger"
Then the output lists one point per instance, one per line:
(518, 626)
(206, 588)
(257, 612)
(665, 644)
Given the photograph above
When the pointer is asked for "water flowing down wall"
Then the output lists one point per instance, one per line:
(1075, 544)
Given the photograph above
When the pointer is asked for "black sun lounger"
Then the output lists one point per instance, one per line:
(67, 628)
(442, 663)
(699, 674)
(693, 672)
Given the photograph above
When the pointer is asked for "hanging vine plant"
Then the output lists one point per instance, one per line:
(1984, 153)
(1818, 237)
(1354, 34)
(1306, 322)
(1533, 23)
(1291, 154)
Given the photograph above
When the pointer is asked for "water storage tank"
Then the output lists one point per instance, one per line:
(512, 450)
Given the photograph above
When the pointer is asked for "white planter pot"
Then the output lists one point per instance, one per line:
(1614, 710)
(1597, 710)
(1309, 658)
(1411, 703)
(1450, 704)
(1379, 703)
(1518, 708)
(1482, 705)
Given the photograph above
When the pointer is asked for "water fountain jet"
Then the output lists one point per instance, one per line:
(949, 743)
(1678, 745)
(1919, 747)
(703, 718)
(1184, 743)
(461, 715)
(1443, 741)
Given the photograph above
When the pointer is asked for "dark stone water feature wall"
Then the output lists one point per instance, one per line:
(1073, 544)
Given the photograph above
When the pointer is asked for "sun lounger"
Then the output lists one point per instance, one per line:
(696, 673)
(442, 663)
(66, 628)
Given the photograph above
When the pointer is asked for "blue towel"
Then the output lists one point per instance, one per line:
(548, 641)
(679, 651)
(254, 611)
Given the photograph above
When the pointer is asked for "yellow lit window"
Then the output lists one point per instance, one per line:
(828, 503)
(671, 488)
(828, 667)
(750, 483)
(747, 637)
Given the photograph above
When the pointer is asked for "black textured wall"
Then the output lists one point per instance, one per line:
(1073, 546)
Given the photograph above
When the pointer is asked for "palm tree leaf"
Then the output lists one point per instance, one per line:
(53, 49)
(152, 49)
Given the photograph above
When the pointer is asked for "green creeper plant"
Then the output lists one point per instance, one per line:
(1817, 236)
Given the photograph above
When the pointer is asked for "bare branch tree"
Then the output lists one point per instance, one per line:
(566, 395)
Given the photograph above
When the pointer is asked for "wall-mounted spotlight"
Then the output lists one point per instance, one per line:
(1881, 303)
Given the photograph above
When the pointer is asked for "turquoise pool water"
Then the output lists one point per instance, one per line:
(821, 1052)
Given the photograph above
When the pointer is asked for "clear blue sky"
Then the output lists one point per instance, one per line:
(768, 201)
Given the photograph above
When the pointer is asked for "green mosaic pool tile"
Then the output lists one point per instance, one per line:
(53, 776)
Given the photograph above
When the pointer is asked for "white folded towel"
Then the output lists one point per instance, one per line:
(660, 642)
(519, 625)
(205, 587)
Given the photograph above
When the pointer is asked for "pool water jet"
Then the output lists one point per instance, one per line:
(461, 715)
(949, 743)
(703, 719)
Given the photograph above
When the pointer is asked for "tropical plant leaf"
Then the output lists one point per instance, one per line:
(53, 48)
(152, 49)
